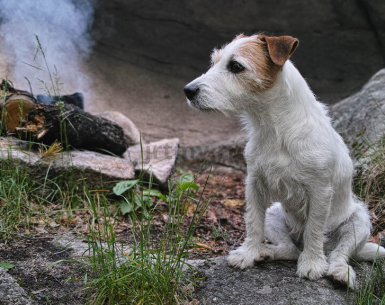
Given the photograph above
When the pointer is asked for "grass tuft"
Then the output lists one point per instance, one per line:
(150, 271)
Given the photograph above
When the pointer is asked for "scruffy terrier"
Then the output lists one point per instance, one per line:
(294, 158)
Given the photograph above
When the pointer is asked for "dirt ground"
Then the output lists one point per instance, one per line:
(32, 257)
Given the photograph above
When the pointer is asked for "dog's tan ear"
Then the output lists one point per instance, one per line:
(280, 48)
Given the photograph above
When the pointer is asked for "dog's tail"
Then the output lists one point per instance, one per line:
(369, 252)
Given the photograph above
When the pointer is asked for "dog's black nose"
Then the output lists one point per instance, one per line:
(191, 91)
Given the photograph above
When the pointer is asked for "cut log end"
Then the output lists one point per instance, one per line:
(16, 108)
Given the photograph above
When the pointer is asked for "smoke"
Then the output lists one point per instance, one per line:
(62, 29)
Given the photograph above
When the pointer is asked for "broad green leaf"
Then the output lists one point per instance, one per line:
(123, 186)
(138, 201)
(148, 201)
(185, 178)
(6, 265)
(186, 185)
(125, 207)
(155, 193)
(145, 213)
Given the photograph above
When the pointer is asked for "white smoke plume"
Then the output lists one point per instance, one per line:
(62, 27)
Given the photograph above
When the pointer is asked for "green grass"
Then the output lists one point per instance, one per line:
(369, 185)
(372, 286)
(24, 191)
(15, 191)
(151, 271)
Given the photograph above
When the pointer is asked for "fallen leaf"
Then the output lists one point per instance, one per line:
(200, 245)
(53, 224)
(234, 203)
(38, 291)
(41, 230)
(37, 221)
(375, 239)
(5, 265)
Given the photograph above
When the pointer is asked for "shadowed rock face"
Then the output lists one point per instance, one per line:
(360, 118)
(342, 43)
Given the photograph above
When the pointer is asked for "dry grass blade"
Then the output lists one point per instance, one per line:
(370, 186)
(51, 151)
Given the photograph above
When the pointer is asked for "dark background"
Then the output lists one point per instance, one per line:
(342, 43)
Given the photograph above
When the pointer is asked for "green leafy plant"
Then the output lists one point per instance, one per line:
(151, 269)
(132, 201)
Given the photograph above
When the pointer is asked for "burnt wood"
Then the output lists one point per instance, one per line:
(72, 126)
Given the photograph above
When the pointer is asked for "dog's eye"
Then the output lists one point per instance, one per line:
(235, 67)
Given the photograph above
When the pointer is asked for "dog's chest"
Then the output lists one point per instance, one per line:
(276, 171)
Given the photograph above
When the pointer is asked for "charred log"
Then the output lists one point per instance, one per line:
(74, 127)
(76, 99)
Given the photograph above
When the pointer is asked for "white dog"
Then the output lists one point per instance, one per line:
(294, 158)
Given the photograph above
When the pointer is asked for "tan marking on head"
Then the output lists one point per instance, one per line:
(254, 52)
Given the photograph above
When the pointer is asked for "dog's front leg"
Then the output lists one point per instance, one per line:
(312, 261)
(253, 248)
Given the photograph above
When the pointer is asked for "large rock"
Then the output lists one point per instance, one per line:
(86, 163)
(268, 283)
(360, 118)
(225, 155)
(131, 132)
(157, 158)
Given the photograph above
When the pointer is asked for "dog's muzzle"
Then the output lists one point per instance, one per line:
(191, 91)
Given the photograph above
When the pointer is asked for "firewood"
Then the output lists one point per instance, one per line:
(17, 105)
(74, 127)
(15, 110)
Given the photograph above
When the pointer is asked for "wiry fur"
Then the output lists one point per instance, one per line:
(294, 158)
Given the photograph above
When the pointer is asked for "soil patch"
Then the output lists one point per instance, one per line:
(31, 258)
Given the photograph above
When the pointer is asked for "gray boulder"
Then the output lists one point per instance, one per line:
(131, 132)
(360, 118)
(157, 158)
(87, 164)
(269, 283)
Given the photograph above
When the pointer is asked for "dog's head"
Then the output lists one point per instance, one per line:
(239, 71)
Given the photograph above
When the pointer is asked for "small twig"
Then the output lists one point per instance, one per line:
(57, 280)
(61, 251)
(47, 237)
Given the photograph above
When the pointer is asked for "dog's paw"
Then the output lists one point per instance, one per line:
(343, 273)
(310, 267)
(266, 253)
(244, 257)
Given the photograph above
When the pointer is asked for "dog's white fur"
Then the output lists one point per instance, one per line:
(296, 159)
